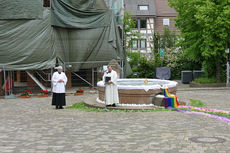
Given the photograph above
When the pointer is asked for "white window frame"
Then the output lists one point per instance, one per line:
(141, 47)
(135, 48)
(143, 7)
(166, 22)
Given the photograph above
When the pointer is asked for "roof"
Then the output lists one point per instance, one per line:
(132, 7)
(164, 10)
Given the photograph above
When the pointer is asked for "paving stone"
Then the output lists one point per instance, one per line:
(34, 126)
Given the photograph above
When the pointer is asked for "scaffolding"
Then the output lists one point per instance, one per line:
(96, 72)
(118, 9)
(14, 82)
(42, 78)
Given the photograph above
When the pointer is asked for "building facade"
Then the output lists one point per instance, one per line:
(164, 16)
(151, 17)
(143, 13)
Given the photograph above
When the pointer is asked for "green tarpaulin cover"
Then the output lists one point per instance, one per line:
(36, 44)
(21, 9)
(78, 14)
(26, 44)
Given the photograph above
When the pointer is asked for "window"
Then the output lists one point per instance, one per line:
(143, 7)
(165, 22)
(143, 24)
(134, 44)
(143, 43)
(46, 3)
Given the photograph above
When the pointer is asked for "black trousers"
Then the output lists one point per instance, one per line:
(58, 99)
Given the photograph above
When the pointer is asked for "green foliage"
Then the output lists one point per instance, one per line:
(205, 80)
(129, 33)
(146, 68)
(166, 40)
(133, 58)
(81, 106)
(141, 66)
(157, 46)
(174, 58)
(205, 30)
(197, 103)
(178, 61)
(129, 23)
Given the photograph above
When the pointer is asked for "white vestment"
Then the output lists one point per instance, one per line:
(59, 87)
(111, 91)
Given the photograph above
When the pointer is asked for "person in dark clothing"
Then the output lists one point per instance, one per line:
(59, 81)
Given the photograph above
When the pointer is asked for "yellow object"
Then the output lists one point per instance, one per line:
(146, 81)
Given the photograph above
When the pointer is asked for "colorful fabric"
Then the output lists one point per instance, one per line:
(170, 101)
(205, 109)
(221, 118)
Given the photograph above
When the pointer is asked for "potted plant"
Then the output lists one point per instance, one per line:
(26, 94)
(79, 92)
(43, 93)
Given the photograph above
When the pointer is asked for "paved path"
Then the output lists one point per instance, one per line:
(218, 99)
(33, 126)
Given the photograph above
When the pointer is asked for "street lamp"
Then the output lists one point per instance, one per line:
(227, 73)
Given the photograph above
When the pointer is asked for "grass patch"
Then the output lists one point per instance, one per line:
(81, 106)
(197, 103)
(205, 80)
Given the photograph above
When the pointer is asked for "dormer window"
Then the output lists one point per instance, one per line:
(143, 7)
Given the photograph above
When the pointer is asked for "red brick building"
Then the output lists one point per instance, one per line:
(164, 16)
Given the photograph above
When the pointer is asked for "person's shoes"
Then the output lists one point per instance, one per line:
(61, 107)
(108, 105)
(114, 105)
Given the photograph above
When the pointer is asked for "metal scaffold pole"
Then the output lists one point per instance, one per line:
(93, 77)
(4, 74)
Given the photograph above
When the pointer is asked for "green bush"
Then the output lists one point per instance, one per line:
(146, 68)
(178, 61)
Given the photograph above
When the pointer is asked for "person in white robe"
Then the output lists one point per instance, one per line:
(111, 90)
(59, 81)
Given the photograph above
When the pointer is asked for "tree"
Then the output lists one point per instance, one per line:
(165, 41)
(129, 33)
(205, 30)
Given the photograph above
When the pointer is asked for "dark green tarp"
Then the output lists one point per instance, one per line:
(27, 44)
(78, 14)
(21, 9)
(35, 44)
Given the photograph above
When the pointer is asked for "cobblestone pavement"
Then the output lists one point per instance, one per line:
(218, 99)
(34, 126)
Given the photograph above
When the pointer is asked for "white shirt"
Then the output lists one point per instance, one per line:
(59, 87)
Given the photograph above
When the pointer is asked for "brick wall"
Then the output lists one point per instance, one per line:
(163, 11)
(162, 8)
(159, 27)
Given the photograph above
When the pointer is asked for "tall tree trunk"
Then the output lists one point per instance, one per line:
(218, 70)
